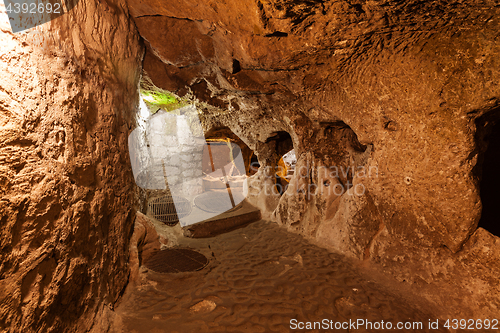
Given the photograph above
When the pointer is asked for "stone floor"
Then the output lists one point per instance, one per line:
(259, 278)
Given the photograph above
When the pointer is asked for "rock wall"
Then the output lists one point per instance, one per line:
(68, 90)
(389, 88)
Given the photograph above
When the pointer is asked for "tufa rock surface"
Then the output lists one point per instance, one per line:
(67, 95)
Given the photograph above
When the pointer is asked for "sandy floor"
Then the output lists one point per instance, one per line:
(259, 278)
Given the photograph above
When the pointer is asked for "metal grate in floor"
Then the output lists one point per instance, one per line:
(176, 260)
(169, 209)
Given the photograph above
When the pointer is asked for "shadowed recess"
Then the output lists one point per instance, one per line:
(490, 180)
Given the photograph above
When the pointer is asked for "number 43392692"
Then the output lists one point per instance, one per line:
(33, 8)
(472, 324)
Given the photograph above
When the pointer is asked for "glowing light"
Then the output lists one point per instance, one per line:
(143, 109)
(148, 98)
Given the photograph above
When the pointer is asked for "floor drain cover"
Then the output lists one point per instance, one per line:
(217, 201)
(169, 209)
(176, 261)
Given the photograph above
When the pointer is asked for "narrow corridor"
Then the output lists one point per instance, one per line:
(259, 279)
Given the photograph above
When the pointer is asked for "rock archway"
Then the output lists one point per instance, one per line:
(287, 68)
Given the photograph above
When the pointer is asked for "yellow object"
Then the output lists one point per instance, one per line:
(282, 170)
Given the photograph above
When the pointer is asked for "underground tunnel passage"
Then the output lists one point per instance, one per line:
(284, 161)
(91, 188)
(190, 172)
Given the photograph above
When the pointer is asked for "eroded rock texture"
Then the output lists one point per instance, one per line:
(389, 87)
(67, 95)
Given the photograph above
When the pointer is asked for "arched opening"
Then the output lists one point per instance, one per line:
(290, 161)
(188, 174)
(285, 171)
(345, 150)
(225, 164)
(222, 136)
(488, 142)
(282, 144)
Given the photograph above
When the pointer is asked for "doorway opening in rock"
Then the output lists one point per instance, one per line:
(488, 142)
(224, 173)
(286, 169)
(221, 136)
(189, 175)
(225, 167)
(284, 166)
